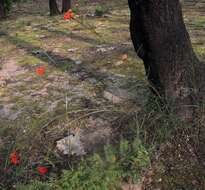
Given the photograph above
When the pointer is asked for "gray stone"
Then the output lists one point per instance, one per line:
(71, 145)
(81, 141)
(102, 49)
(38, 52)
(73, 49)
(117, 95)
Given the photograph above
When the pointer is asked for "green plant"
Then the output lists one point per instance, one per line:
(133, 158)
(100, 11)
(101, 172)
(8, 4)
(36, 185)
(75, 10)
(93, 174)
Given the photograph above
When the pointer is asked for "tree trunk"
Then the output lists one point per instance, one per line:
(53, 8)
(161, 40)
(2, 9)
(66, 5)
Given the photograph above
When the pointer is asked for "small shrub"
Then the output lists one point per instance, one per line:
(101, 172)
(35, 185)
(133, 158)
(93, 174)
(100, 11)
(75, 10)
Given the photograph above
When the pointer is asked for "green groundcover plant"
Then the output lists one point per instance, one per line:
(100, 171)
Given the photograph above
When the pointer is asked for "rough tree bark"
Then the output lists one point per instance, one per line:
(161, 40)
(53, 8)
(66, 5)
(2, 9)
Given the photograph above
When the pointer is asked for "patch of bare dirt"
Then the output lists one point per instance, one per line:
(132, 186)
(9, 71)
(177, 165)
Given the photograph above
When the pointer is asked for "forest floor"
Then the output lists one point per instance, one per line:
(93, 79)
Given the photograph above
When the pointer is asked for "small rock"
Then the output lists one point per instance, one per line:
(112, 97)
(117, 95)
(78, 62)
(72, 49)
(38, 52)
(71, 145)
(105, 49)
(90, 15)
(40, 36)
(101, 50)
(81, 141)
